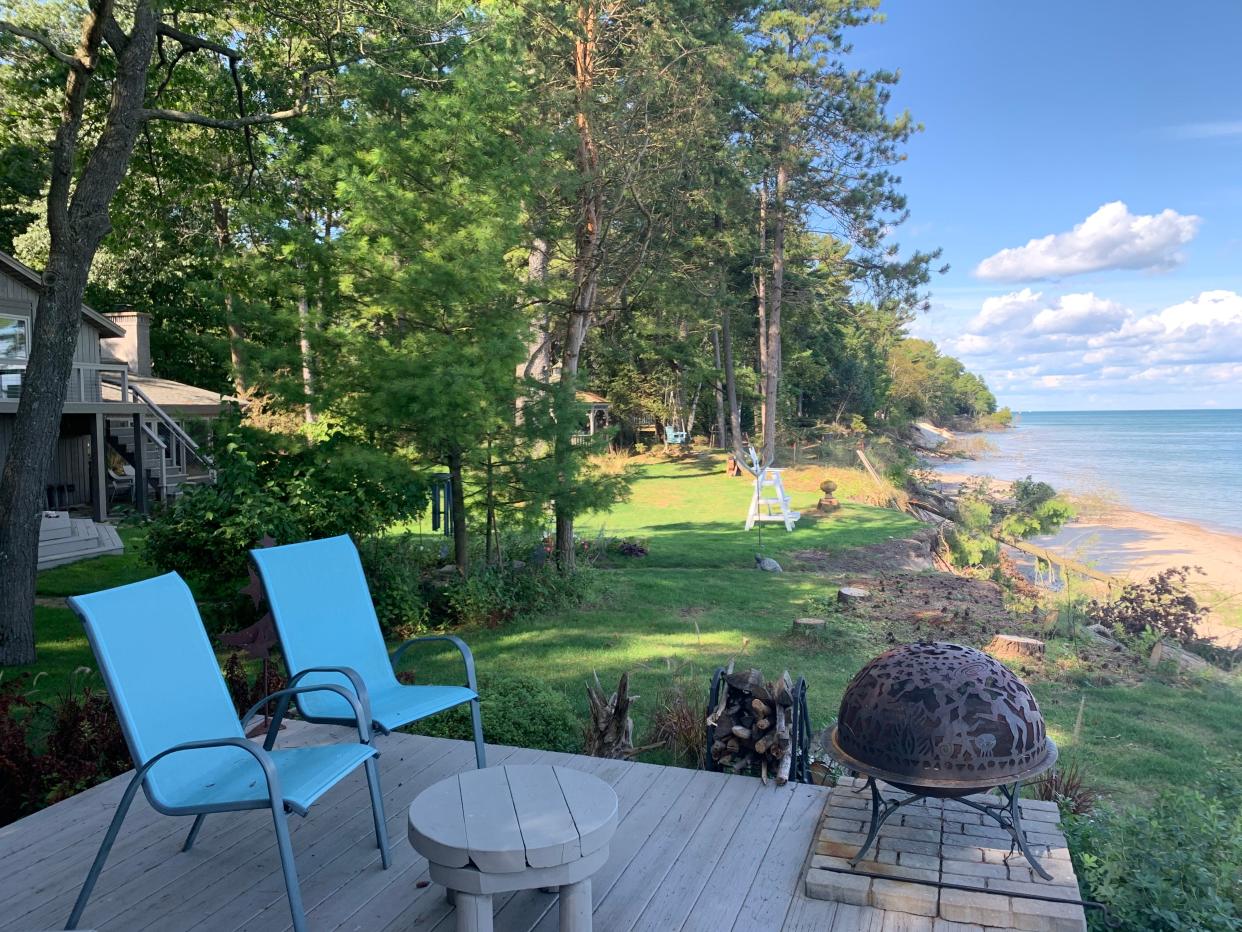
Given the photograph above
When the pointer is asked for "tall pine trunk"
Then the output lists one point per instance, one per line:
(77, 216)
(457, 511)
(761, 296)
(772, 373)
(586, 269)
(721, 426)
(237, 336)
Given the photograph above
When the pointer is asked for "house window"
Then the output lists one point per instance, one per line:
(13, 336)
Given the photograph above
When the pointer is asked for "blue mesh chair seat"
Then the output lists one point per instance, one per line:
(190, 750)
(329, 634)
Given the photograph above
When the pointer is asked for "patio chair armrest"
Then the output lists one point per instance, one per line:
(263, 758)
(355, 680)
(466, 656)
(361, 715)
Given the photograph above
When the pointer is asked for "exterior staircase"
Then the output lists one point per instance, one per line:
(171, 459)
(63, 539)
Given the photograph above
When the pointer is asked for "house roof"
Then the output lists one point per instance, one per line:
(32, 279)
(174, 397)
(591, 398)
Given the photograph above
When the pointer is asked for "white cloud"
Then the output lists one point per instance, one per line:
(1111, 238)
(1215, 129)
(1027, 345)
(1080, 314)
(1000, 312)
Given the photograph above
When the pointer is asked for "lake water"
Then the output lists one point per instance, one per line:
(1180, 464)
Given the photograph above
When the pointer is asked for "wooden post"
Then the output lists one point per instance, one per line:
(140, 466)
(99, 466)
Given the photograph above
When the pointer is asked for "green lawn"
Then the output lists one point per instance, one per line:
(695, 601)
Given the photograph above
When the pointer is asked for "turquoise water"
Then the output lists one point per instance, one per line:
(1180, 464)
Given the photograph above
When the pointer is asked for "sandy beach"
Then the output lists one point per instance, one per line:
(1134, 545)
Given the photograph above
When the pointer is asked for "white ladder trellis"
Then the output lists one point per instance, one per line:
(769, 502)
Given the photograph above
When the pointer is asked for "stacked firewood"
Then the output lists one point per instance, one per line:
(753, 720)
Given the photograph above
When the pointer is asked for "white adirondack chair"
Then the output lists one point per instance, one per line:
(769, 502)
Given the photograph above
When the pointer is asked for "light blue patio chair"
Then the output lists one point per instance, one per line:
(674, 436)
(329, 633)
(190, 751)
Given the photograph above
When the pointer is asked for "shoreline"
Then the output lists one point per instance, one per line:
(1135, 545)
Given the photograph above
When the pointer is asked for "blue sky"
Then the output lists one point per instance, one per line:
(1038, 117)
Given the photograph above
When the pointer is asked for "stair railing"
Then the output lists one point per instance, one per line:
(175, 430)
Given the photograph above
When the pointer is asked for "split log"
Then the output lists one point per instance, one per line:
(1013, 647)
(611, 730)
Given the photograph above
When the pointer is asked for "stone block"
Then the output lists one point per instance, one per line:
(990, 831)
(1040, 916)
(909, 844)
(945, 925)
(921, 820)
(985, 909)
(912, 859)
(973, 872)
(889, 830)
(842, 825)
(912, 898)
(951, 852)
(1036, 888)
(840, 888)
(899, 871)
(843, 845)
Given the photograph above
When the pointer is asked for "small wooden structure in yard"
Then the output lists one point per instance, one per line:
(597, 413)
(769, 501)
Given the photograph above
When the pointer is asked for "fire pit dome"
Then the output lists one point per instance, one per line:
(941, 719)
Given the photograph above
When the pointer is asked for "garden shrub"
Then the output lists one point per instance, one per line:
(276, 484)
(394, 566)
(1161, 604)
(1174, 865)
(518, 710)
(493, 595)
(51, 750)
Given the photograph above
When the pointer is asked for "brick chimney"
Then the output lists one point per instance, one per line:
(133, 349)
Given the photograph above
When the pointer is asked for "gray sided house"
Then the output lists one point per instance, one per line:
(123, 431)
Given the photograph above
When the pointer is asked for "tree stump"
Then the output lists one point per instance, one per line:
(809, 626)
(848, 595)
(611, 730)
(1013, 647)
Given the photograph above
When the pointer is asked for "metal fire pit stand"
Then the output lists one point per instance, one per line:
(1007, 816)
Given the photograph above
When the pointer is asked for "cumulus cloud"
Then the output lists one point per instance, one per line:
(1111, 238)
(1029, 342)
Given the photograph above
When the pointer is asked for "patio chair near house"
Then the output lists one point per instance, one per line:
(329, 633)
(675, 437)
(190, 750)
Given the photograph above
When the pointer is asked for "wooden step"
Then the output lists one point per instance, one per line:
(54, 526)
(88, 540)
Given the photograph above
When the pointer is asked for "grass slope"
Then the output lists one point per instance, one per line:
(695, 601)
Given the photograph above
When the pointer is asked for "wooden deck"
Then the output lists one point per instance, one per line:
(693, 850)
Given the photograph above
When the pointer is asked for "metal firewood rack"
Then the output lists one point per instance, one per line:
(800, 728)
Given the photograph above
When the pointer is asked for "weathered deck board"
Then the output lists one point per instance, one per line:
(692, 851)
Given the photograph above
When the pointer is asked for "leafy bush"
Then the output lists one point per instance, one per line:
(395, 566)
(1162, 604)
(51, 750)
(493, 595)
(1171, 866)
(281, 485)
(518, 710)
